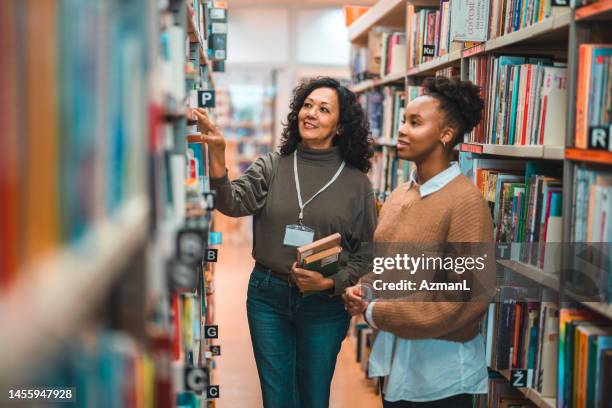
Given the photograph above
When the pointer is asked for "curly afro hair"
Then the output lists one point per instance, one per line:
(459, 100)
(355, 142)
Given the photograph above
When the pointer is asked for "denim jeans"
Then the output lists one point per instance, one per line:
(296, 340)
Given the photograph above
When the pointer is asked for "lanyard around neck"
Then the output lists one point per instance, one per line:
(297, 186)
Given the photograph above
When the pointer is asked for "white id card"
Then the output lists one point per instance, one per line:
(298, 235)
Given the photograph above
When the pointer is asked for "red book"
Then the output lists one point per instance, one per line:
(176, 328)
(526, 107)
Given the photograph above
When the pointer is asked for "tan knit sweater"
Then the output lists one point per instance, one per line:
(456, 213)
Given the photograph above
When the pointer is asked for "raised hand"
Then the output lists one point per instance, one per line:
(213, 137)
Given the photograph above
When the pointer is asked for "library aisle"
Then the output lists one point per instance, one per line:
(349, 388)
(126, 252)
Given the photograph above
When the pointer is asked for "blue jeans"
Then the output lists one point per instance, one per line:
(296, 341)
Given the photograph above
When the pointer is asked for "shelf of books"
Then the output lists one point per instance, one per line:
(530, 151)
(102, 200)
(541, 158)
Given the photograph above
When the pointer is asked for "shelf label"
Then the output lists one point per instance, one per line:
(560, 3)
(212, 255)
(212, 391)
(599, 138)
(206, 99)
(215, 350)
(196, 379)
(519, 378)
(211, 332)
(429, 50)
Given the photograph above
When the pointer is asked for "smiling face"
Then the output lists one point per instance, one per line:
(421, 133)
(318, 118)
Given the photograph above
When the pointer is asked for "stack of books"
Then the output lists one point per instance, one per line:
(321, 256)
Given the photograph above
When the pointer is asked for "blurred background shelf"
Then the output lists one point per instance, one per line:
(64, 287)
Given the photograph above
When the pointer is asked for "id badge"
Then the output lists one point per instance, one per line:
(298, 235)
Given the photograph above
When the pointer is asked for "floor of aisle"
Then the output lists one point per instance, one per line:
(236, 373)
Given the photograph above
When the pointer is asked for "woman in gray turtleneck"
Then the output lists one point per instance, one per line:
(296, 338)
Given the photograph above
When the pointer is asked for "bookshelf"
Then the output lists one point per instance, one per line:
(390, 13)
(532, 394)
(99, 258)
(430, 67)
(375, 83)
(528, 151)
(601, 10)
(556, 36)
(109, 201)
(590, 156)
(531, 272)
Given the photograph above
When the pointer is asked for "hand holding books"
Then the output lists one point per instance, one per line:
(310, 281)
(315, 263)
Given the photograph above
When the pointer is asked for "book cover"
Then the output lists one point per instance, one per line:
(318, 246)
(469, 20)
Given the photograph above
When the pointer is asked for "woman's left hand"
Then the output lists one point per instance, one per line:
(310, 280)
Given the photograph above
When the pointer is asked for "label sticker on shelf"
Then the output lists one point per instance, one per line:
(211, 332)
(212, 391)
(599, 138)
(429, 50)
(212, 255)
(215, 350)
(206, 99)
(196, 379)
(520, 378)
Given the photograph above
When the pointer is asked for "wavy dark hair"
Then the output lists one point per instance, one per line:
(354, 142)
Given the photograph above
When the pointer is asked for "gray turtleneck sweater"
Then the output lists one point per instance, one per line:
(267, 191)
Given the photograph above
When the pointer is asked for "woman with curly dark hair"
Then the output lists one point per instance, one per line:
(314, 187)
(428, 348)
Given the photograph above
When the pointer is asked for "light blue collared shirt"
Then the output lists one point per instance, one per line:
(429, 369)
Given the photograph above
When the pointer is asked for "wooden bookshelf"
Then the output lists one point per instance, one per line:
(591, 156)
(532, 395)
(525, 151)
(555, 27)
(195, 36)
(374, 83)
(64, 287)
(389, 13)
(558, 36)
(602, 10)
(532, 273)
(438, 63)
(603, 308)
